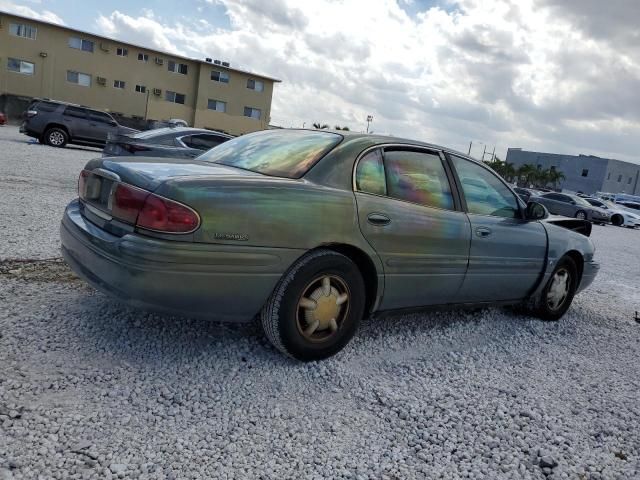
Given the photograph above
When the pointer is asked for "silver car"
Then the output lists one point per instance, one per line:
(574, 206)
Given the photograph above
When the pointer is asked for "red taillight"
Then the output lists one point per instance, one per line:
(127, 202)
(165, 215)
(82, 183)
(146, 210)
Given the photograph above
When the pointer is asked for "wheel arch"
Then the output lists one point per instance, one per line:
(367, 269)
(578, 259)
(56, 125)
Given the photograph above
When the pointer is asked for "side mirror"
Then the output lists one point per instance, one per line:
(536, 211)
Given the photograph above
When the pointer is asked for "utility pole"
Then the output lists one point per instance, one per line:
(484, 151)
(493, 154)
(470, 143)
(369, 120)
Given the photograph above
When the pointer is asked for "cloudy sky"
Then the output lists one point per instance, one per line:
(549, 75)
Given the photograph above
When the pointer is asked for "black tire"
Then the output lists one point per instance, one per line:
(617, 220)
(545, 309)
(56, 137)
(282, 319)
(581, 214)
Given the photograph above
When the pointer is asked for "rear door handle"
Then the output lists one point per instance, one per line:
(378, 219)
(483, 232)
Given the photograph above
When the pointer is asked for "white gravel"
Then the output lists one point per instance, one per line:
(91, 389)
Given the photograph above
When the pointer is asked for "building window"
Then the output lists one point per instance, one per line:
(630, 180)
(81, 44)
(252, 112)
(609, 176)
(222, 77)
(174, 97)
(78, 78)
(585, 172)
(118, 84)
(23, 30)
(20, 66)
(256, 85)
(141, 89)
(177, 67)
(619, 178)
(122, 52)
(143, 57)
(217, 105)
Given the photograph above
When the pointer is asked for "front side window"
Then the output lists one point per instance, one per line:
(20, 66)
(23, 30)
(81, 44)
(78, 78)
(174, 97)
(484, 192)
(222, 77)
(279, 153)
(217, 105)
(370, 174)
(417, 177)
(252, 112)
(76, 112)
(118, 83)
(256, 85)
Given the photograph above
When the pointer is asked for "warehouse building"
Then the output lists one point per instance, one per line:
(41, 59)
(584, 173)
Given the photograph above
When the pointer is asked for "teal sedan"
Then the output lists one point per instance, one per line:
(311, 231)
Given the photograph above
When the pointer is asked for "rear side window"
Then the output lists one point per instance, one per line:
(75, 112)
(484, 192)
(279, 153)
(44, 107)
(417, 177)
(370, 174)
(202, 142)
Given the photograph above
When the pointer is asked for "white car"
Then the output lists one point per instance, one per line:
(620, 216)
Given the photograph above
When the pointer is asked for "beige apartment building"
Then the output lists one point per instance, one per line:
(41, 59)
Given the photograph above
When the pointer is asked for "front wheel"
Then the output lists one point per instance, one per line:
(581, 215)
(559, 291)
(316, 307)
(617, 220)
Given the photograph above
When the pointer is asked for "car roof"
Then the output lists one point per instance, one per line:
(177, 131)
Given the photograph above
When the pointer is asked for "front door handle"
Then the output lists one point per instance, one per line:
(378, 219)
(483, 232)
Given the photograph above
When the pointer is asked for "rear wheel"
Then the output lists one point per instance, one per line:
(559, 291)
(617, 220)
(56, 137)
(581, 215)
(316, 307)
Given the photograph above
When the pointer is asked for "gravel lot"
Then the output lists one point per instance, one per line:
(92, 389)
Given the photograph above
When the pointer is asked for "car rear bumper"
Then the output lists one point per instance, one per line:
(221, 282)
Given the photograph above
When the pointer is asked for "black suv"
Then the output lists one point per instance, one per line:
(58, 123)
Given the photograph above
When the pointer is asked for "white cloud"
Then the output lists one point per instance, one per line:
(508, 72)
(25, 11)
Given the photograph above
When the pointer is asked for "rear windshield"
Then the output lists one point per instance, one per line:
(278, 153)
(154, 133)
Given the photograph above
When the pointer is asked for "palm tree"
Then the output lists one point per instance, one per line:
(319, 126)
(526, 173)
(338, 127)
(555, 176)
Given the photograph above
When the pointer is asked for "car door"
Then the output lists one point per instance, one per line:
(77, 123)
(100, 126)
(507, 252)
(408, 213)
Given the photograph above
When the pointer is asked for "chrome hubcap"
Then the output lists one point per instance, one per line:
(559, 289)
(56, 138)
(580, 216)
(322, 308)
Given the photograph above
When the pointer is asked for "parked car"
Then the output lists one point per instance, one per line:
(572, 206)
(3, 119)
(526, 193)
(620, 215)
(176, 142)
(313, 230)
(629, 204)
(58, 123)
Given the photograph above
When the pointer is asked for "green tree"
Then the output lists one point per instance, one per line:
(345, 128)
(555, 176)
(320, 126)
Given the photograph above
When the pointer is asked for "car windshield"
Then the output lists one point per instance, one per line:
(278, 153)
(581, 201)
